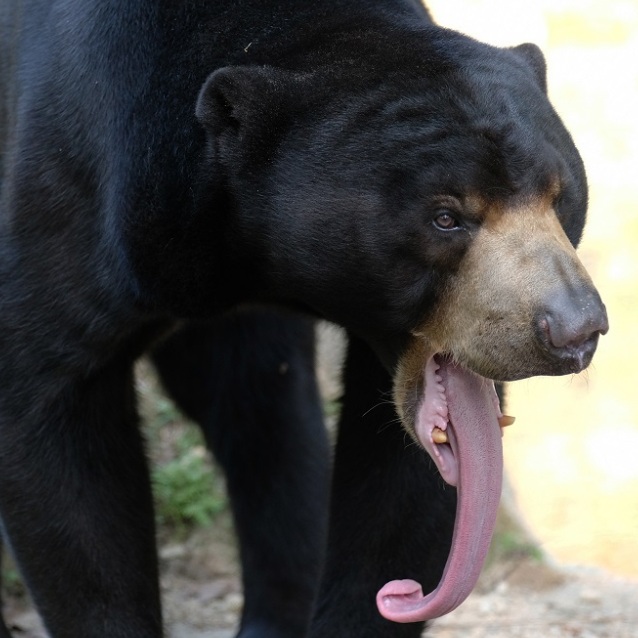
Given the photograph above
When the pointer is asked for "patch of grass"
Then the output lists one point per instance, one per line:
(12, 584)
(164, 412)
(332, 409)
(188, 490)
(511, 542)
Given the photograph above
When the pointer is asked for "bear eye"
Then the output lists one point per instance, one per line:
(444, 220)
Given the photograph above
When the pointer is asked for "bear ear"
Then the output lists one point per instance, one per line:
(232, 97)
(535, 59)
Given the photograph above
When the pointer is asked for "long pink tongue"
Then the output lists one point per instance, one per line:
(476, 442)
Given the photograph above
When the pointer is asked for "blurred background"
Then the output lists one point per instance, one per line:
(572, 456)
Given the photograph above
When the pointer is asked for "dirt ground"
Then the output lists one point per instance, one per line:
(519, 598)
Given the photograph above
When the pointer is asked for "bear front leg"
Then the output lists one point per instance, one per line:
(76, 506)
(249, 380)
(391, 515)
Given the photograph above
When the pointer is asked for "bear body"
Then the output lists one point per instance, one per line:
(202, 179)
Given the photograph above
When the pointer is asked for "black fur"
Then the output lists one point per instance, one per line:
(163, 165)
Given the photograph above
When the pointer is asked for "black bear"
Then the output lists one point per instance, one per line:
(201, 179)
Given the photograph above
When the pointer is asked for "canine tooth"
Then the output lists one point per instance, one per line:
(505, 420)
(439, 436)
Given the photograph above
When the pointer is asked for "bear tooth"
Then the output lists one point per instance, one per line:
(439, 436)
(505, 420)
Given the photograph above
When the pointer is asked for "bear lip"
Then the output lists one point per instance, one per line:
(466, 405)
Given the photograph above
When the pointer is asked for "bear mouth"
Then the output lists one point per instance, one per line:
(434, 426)
(458, 422)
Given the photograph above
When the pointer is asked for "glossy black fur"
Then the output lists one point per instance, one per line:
(143, 206)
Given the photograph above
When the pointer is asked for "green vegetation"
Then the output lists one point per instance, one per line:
(187, 488)
(11, 581)
(511, 542)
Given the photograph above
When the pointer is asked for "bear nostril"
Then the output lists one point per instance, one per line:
(570, 326)
(564, 331)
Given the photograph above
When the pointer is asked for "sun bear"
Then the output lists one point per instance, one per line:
(201, 180)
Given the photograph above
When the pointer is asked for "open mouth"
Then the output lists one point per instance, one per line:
(434, 426)
(458, 422)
